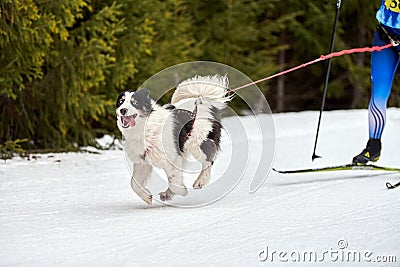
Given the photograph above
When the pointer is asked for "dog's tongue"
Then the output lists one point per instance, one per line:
(130, 120)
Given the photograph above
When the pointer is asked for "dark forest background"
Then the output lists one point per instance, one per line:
(63, 62)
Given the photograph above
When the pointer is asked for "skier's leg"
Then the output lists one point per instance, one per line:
(383, 67)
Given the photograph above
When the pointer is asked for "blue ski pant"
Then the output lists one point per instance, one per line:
(383, 68)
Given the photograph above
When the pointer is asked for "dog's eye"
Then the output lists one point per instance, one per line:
(134, 102)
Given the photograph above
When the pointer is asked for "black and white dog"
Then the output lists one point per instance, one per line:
(165, 136)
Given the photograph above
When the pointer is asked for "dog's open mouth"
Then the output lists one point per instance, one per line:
(128, 121)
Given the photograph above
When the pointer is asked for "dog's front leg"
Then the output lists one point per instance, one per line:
(141, 173)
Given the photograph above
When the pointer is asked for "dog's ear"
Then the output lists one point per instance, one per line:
(143, 100)
(142, 93)
(120, 99)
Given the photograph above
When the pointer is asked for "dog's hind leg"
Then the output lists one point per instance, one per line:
(141, 173)
(209, 150)
(204, 177)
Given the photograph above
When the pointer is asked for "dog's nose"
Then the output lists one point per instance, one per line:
(123, 111)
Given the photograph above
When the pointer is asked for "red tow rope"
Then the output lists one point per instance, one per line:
(321, 58)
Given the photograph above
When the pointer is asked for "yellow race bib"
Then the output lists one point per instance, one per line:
(393, 5)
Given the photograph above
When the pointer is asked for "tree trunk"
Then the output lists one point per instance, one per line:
(360, 62)
(280, 96)
(227, 43)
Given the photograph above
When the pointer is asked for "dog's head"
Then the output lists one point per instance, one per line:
(132, 107)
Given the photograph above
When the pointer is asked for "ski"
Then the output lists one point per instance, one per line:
(346, 167)
(392, 186)
(341, 168)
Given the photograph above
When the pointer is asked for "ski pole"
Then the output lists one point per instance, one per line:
(328, 70)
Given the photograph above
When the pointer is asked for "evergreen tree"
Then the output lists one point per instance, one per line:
(70, 84)
(358, 28)
(174, 41)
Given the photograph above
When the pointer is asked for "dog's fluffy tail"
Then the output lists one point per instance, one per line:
(211, 88)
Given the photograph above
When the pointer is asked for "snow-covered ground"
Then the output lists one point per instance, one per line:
(77, 209)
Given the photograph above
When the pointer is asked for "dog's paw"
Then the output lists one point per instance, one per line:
(200, 183)
(167, 195)
(148, 199)
(142, 192)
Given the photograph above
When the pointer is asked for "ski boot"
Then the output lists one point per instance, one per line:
(371, 153)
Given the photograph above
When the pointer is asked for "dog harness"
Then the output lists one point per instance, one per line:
(183, 127)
